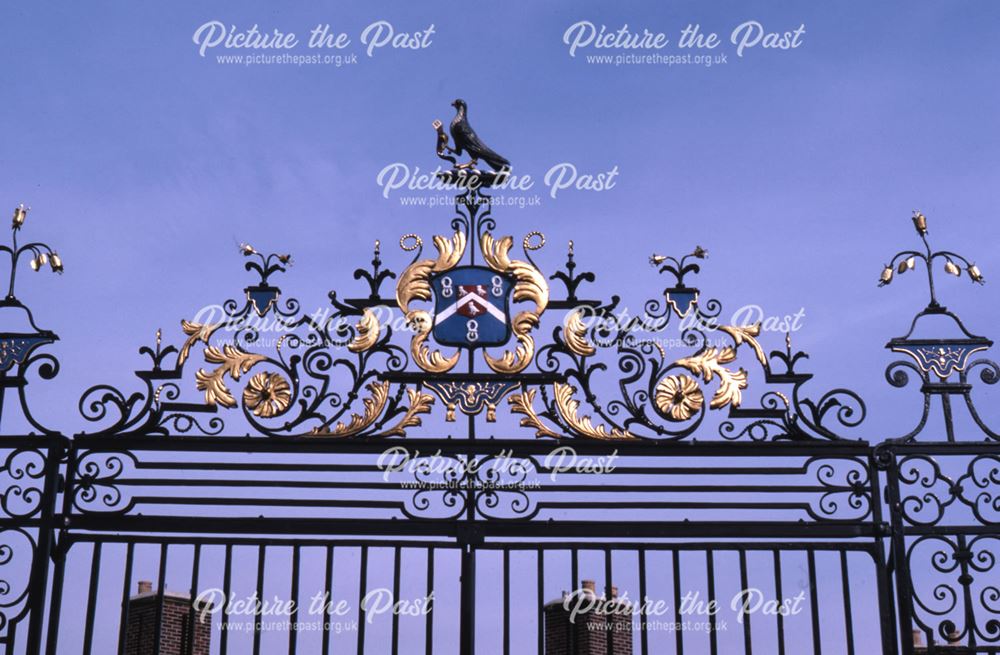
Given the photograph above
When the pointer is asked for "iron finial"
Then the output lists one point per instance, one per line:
(906, 260)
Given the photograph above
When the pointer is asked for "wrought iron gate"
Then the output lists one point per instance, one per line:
(589, 454)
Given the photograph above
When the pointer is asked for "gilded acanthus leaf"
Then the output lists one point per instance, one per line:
(423, 356)
(523, 403)
(747, 334)
(515, 362)
(708, 363)
(414, 282)
(367, 332)
(575, 335)
(196, 332)
(232, 361)
(569, 408)
(530, 285)
(374, 405)
(420, 403)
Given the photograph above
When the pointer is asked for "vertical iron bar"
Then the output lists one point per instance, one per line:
(429, 621)
(506, 602)
(95, 576)
(39, 576)
(574, 566)
(608, 595)
(883, 579)
(126, 593)
(227, 583)
(55, 606)
(779, 596)
(574, 563)
(162, 582)
(949, 422)
(467, 627)
(744, 585)
(540, 614)
(328, 600)
(904, 598)
(643, 628)
(678, 634)
(362, 586)
(293, 632)
(396, 563)
(192, 620)
(257, 618)
(814, 599)
(713, 639)
(970, 608)
(845, 578)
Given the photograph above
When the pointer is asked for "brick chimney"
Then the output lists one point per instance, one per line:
(954, 646)
(591, 630)
(176, 630)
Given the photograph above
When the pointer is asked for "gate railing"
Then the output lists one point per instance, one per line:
(531, 464)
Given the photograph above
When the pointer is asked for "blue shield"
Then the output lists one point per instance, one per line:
(471, 307)
(681, 299)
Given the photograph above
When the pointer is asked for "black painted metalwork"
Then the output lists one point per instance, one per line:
(317, 489)
(943, 494)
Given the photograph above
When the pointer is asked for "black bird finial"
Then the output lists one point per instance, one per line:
(466, 139)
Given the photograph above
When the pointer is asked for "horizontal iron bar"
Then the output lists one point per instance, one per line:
(944, 448)
(453, 528)
(369, 467)
(521, 378)
(300, 445)
(720, 546)
(312, 542)
(304, 542)
(951, 530)
(395, 485)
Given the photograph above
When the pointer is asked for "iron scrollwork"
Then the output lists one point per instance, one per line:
(555, 387)
(942, 364)
(20, 337)
(291, 391)
(928, 491)
(955, 593)
(17, 545)
(662, 398)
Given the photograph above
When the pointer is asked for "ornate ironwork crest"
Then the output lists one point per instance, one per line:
(943, 360)
(487, 334)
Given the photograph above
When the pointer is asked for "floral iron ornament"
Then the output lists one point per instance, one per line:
(940, 357)
(342, 375)
(664, 398)
(906, 260)
(20, 337)
(942, 364)
(296, 391)
(679, 297)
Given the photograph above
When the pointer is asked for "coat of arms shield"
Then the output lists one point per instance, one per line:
(471, 307)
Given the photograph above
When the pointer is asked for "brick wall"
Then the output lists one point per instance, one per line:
(175, 625)
(590, 632)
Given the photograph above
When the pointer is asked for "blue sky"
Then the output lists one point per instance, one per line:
(145, 163)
